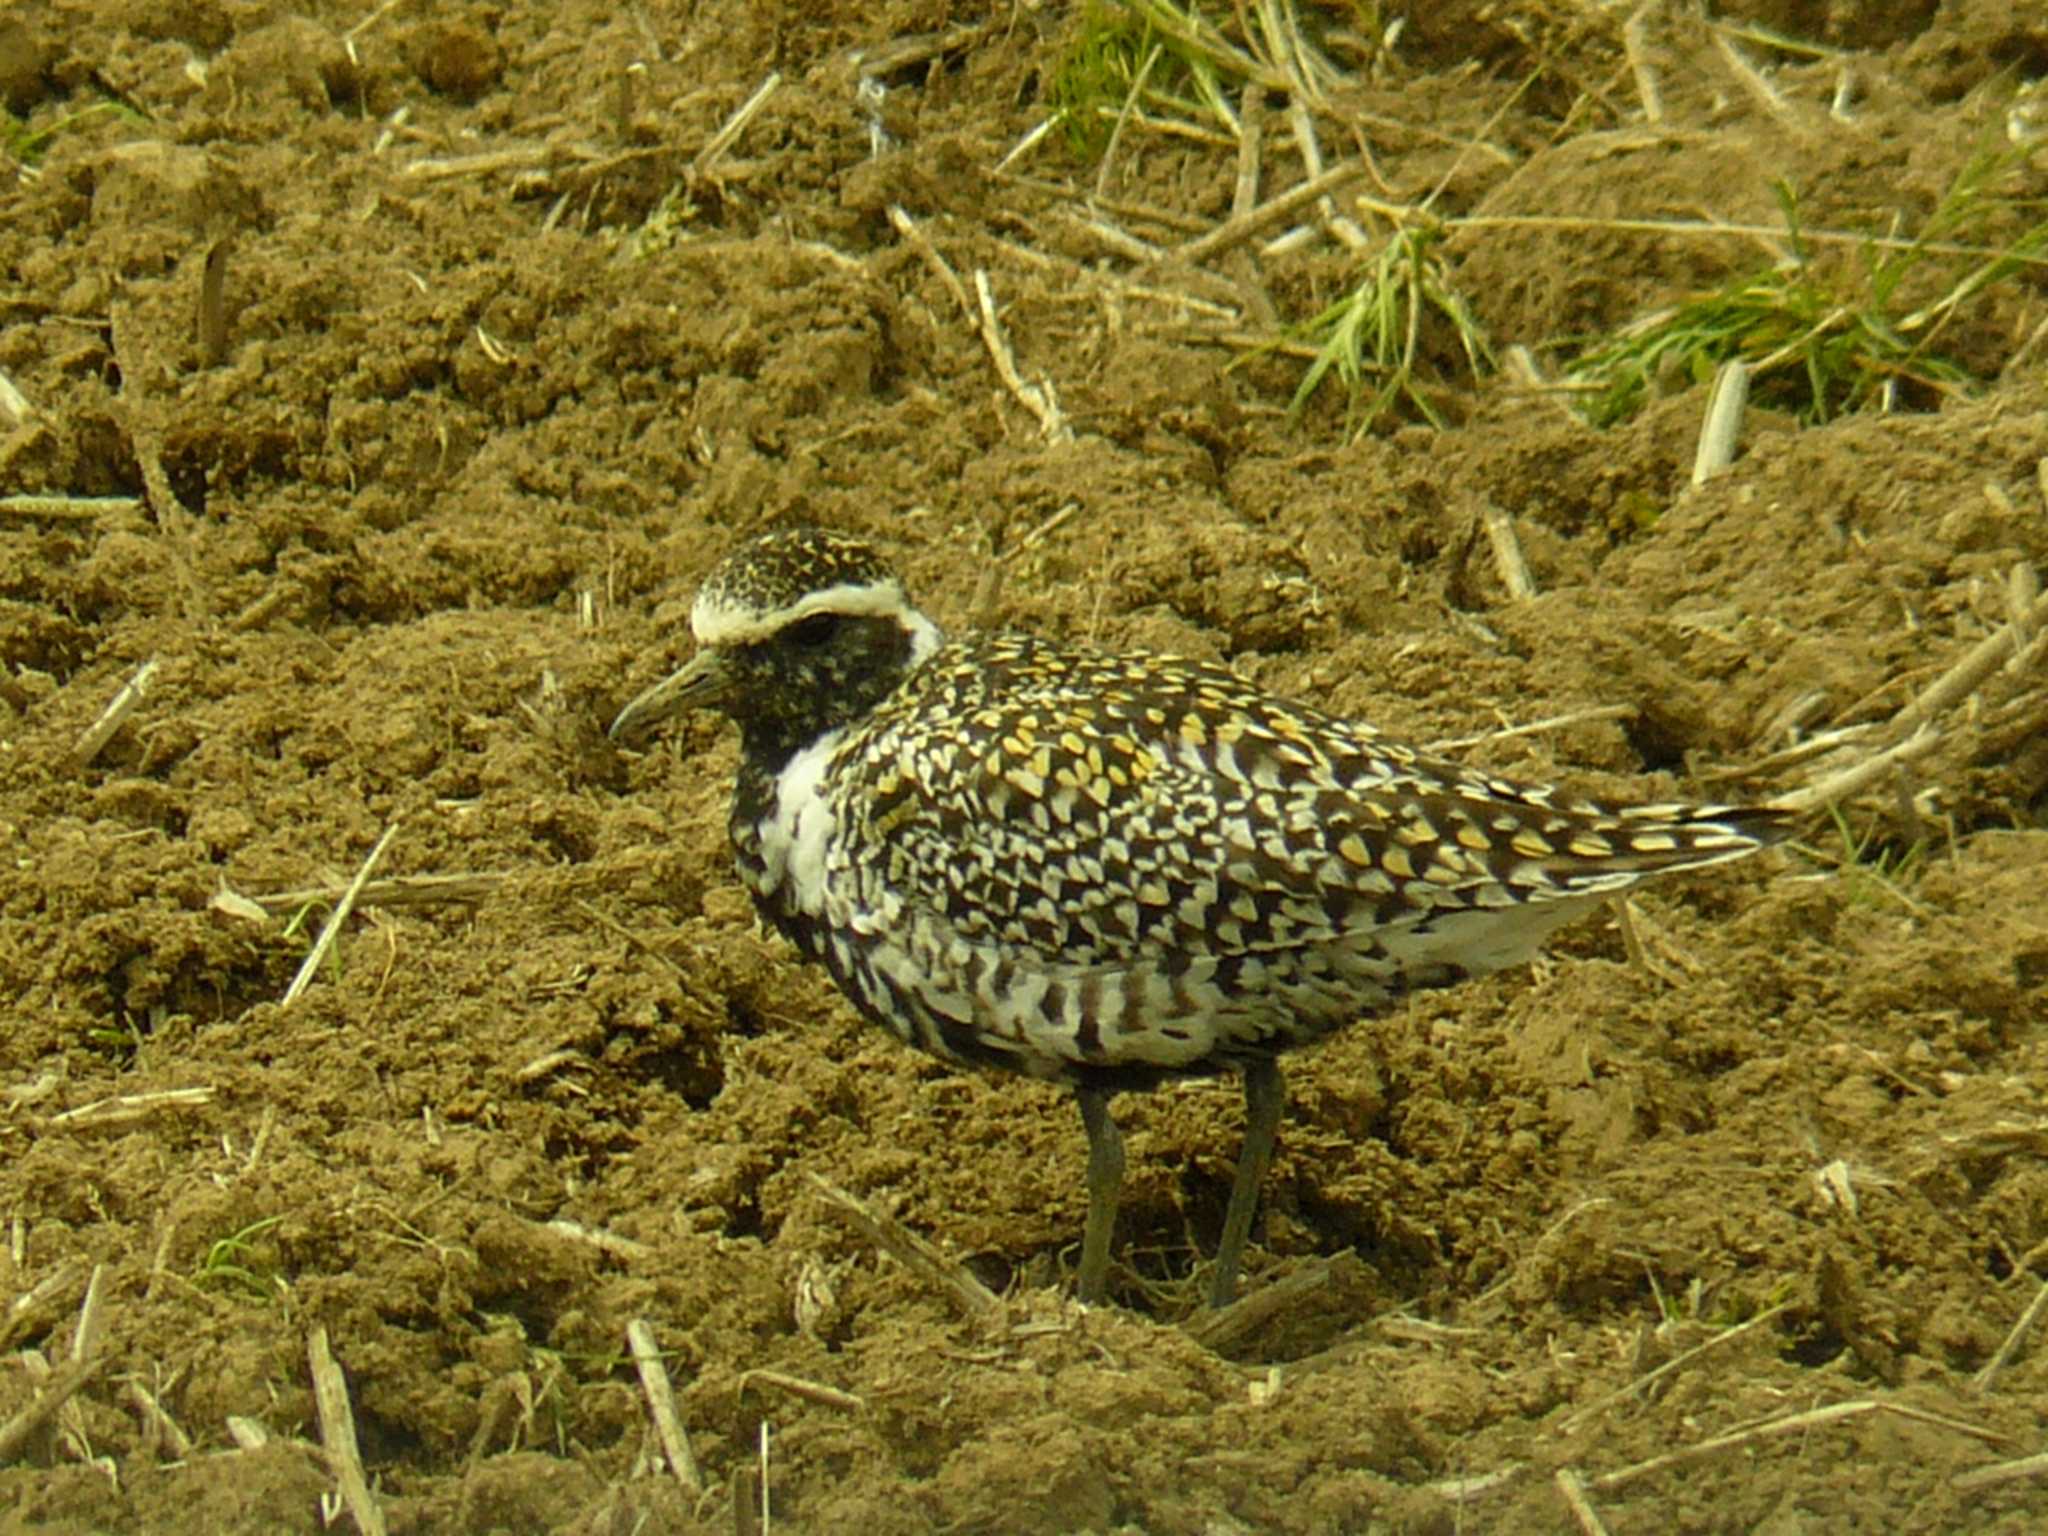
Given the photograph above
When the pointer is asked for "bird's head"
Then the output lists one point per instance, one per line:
(798, 632)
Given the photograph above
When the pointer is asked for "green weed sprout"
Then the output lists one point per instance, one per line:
(1819, 340)
(1372, 337)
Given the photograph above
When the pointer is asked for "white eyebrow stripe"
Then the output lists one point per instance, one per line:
(714, 622)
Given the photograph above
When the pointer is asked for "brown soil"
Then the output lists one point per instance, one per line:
(448, 477)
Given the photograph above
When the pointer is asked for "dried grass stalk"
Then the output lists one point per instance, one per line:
(338, 1436)
(340, 915)
(661, 1402)
(93, 740)
(951, 1280)
(54, 1393)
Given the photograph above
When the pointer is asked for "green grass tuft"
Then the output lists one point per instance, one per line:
(1138, 53)
(25, 143)
(1827, 337)
(1096, 73)
(1372, 338)
(237, 1262)
(1877, 866)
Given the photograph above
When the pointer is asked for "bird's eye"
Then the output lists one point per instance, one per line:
(814, 631)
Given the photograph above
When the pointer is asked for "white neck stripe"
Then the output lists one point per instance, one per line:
(925, 637)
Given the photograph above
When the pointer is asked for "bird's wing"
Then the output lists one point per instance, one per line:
(1095, 809)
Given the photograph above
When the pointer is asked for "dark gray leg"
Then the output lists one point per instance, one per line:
(1265, 1095)
(1105, 1180)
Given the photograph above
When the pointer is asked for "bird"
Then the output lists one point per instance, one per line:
(1112, 869)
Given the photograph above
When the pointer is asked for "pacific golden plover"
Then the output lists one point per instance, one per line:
(1107, 870)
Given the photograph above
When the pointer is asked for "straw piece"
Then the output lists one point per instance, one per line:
(127, 1108)
(1572, 1487)
(735, 125)
(1039, 398)
(1963, 679)
(661, 1402)
(332, 927)
(1719, 432)
(810, 1391)
(54, 1393)
(93, 740)
(953, 1281)
(2013, 1339)
(392, 891)
(70, 509)
(338, 1435)
(1233, 232)
(2002, 1472)
(1507, 553)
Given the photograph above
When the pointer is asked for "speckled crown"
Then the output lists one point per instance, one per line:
(780, 576)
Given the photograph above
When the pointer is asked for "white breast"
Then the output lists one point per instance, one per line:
(796, 835)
